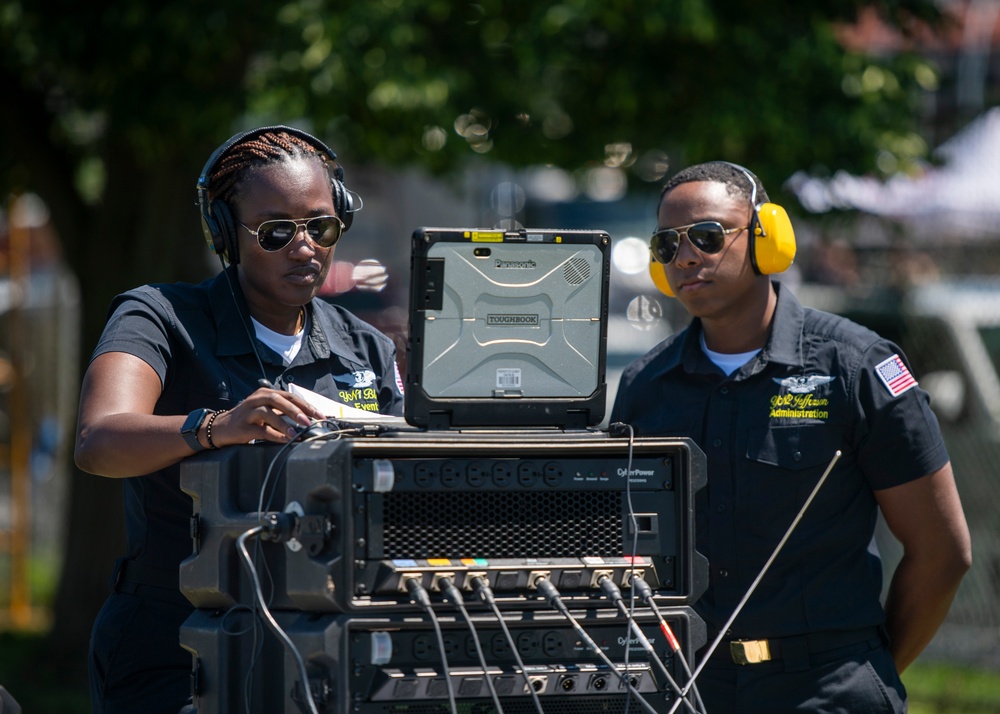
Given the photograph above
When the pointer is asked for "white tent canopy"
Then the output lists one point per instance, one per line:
(960, 198)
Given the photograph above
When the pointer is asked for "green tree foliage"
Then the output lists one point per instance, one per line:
(110, 109)
(583, 82)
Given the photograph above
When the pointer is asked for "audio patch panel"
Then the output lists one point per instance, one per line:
(364, 515)
(382, 664)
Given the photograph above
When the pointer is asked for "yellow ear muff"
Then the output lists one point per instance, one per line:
(659, 276)
(774, 240)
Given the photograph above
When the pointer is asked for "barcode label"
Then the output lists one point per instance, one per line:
(509, 378)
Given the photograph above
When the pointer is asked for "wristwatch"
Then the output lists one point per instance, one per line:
(190, 429)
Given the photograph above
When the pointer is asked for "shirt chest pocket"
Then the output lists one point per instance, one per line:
(795, 448)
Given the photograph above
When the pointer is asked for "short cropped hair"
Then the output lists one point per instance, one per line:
(723, 172)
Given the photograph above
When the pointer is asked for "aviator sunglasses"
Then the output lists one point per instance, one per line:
(707, 236)
(274, 235)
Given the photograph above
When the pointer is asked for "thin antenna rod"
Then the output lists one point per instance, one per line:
(756, 582)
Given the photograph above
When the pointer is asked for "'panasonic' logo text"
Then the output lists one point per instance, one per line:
(520, 264)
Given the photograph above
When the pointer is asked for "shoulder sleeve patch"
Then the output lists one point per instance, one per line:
(895, 376)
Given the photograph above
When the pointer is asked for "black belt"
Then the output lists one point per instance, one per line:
(132, 577)
(744, 651)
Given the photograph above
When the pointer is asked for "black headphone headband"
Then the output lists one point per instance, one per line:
(217, 217)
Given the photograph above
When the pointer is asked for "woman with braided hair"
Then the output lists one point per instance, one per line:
(182, 368)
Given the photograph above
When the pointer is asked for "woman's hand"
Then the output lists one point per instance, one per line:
(119, 436)
(266, 415)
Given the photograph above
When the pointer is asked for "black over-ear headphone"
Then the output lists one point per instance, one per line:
(217, 217)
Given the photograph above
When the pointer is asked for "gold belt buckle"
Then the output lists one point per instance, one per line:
(749, 651)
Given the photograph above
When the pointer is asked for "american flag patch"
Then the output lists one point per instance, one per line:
(399, 379)
(895, 376)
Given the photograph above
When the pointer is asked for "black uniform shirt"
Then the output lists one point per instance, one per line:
(196, 338)
(768, 431)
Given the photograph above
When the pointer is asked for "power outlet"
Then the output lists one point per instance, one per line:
(500, 646)
(527, 644)
(553, 644)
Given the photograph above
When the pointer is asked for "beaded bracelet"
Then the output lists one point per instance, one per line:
(208, 428)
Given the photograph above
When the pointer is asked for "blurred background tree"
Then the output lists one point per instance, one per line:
(111, 108)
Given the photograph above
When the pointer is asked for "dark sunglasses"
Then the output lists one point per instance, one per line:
(707, 236)
(324, 231)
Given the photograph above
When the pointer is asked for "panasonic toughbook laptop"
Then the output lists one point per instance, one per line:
(507, 328)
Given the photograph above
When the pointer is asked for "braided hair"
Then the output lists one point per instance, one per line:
(243, 158)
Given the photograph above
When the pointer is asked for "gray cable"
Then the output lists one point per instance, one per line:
(760, 575)
(551, 595)
(269, 618)
(486, 595)
(419, 595)
(453, 594)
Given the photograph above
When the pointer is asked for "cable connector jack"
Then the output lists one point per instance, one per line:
(279, 527)
(406, 578)
(537, 575)
(418, 594)
(443, 582)
(613, 593)
(635, 574)
(548, 591)
(437, 583)
(642, 587)
(472, 575)
(599, 577)
(619, 430)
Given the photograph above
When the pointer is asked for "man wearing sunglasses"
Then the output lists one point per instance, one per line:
(771, 391)
(184, 368)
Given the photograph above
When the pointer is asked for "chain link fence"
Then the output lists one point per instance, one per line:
(940, 303)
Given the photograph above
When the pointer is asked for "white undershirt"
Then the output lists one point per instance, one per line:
(728, 363)
(285, 345)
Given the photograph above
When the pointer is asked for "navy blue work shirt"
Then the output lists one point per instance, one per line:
(197, 339)
(769, 431)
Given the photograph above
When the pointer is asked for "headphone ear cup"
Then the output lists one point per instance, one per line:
(659, 276)
(210, 227)
(773, 240)
(225, 243)
(343, 202)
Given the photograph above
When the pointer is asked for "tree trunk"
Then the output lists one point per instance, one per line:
(157, 206)
(94, 539)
